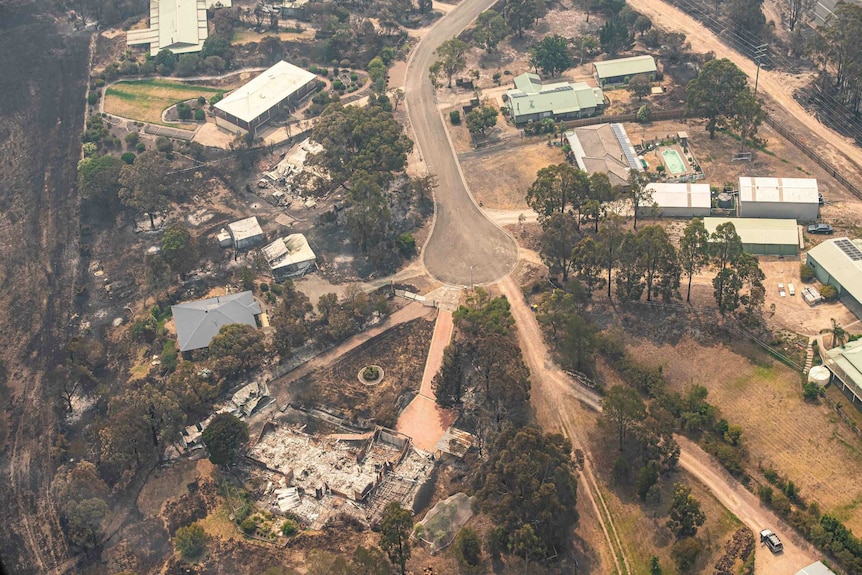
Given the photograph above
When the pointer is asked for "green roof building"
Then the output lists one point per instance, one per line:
(531, 100)
(762, 236)
(838, 262)
(618, 72)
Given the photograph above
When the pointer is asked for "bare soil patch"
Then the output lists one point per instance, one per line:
(803, 441)
(499, 181)
(401, 351)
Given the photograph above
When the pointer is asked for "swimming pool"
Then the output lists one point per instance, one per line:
(674, 161)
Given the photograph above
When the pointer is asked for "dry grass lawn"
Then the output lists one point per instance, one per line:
(806, 443)
(499, 181)
(145, 100)
(247, 36)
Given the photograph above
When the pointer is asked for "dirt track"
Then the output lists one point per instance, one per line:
(551, 387)
(840, 151)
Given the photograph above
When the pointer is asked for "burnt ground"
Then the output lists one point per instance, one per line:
(401, 353)
(43, 71)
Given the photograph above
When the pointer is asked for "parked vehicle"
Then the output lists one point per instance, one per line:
(772, 541)
(820, 229)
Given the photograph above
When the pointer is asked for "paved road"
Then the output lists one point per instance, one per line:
(464, 245)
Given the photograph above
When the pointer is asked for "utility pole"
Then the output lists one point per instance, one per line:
(759, 53)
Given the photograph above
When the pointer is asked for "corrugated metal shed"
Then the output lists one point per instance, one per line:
(625, 67)
(834, 264)
(679, 200)
(265, 91)
(762, 236)
(796, 198)
(178, 25)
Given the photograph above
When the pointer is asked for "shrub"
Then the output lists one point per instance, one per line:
(190, 541)
(100, 82)
(201, 101)
(468, 548)
(455, 117)
(644, 113)
(765, 493)
(132, 138)
(829, 293)
(806, 272)
(248, 526)
(685, 552)
(264, 287)
(313, 69)
(277, 289)
(92, 98)
(128, 157)
(289, 528)
(406, 244)
(140, 147)
(184, 111)
(200, 116)
(215, 99)
(354, 76)
(810, 392)
(164, 145)
(370, 373)
(337, 85)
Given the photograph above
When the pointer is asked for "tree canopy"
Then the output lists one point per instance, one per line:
(551, 55)
(558, 188)
(360, 140)
(451, 57)
(395, 526)
(145, 185)
(693, 250)
(685, 514)
(715, 95)
(522, 14)
(490, 30)
(622, 408)
(528, 480)
(224, 437)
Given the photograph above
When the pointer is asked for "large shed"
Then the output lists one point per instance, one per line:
(530, 100)
(176, 25)
(762, 236)
(276, 90)
(838, 262)
(796, 198)
(685, 200)
(246, 233)
(817, 568)
(845, 363)
(620, 71)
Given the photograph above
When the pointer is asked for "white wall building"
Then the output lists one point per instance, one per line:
(246, 233)
(788, 198)
(685, 200)
(278, 89)
(289, 256)
(178, 25)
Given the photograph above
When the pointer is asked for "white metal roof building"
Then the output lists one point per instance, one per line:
(845, 363)
(817, 568)
(796, 198)
(685, 200)
(762, 236)
(277, 89)
(245, 233)
(177, 25)
(838, 262)
(621, 70)
(198, 322)
(289, 256)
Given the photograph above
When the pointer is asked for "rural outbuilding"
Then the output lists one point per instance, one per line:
(530, 100)
(289, 256)
(604, 148)
(762, 237)
(176, 25)
(838, 262)
(816, 569)
(618, 72)
(245, 233)
(796, 198)
(276, 90)
(198, 322)
(685, 200)
(845, 363)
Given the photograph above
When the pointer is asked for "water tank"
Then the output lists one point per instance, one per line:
(819, 375)
(725, 201)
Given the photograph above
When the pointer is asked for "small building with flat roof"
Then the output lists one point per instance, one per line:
(762, 236)
(275, 91)
(838, 262)
(685, 200)
(796, 198)
(176, 25)
(289, 256)
(245, 233)
(604, 148)
(620, 71)
(530, 100)
(198, 322)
